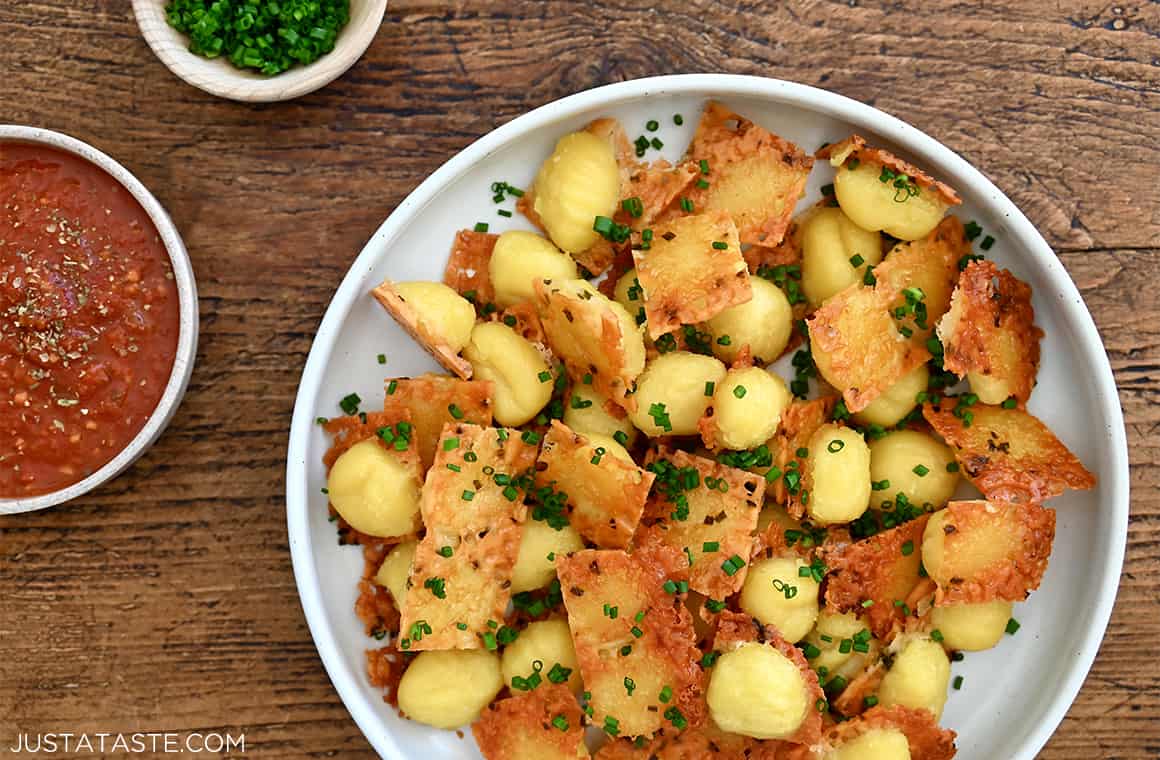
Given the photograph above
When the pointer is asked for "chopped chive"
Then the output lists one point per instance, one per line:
(481, 226)
(720, 245)
(653, 125)
(921, 470)
(988, 241)
(1012, 626)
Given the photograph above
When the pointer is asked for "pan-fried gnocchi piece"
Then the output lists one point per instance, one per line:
(394, 571)
(896, 401)
(918, 678)
(374, 490)
(839, 475)
(543, 647)
(692, 271)
(777, 594)
(610, 446)
(757, 691)
(835, 253)
(673, 393)
(844, 643)
(536, 563)
(544, 724)
(439, 319)
(1008, 454)
(577, 183)
(516, 369)
(747, 406)
(764, 324)
(598, 341)
(989, 334)
(519, 259)
(875, 744)
(629, 294)
(879, 191)
(916, 464)
(588, 413)
(977, 551)
(449, 689)
(972, 627)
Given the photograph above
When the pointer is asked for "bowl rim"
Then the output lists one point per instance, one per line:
(186, 353)
(708, 86)
(238, 85)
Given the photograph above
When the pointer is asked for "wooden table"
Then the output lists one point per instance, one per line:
(165, 601)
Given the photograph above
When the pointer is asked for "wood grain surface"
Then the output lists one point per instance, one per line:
(165, 601)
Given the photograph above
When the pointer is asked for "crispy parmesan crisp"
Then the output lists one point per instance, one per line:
(685, 278)
(480, 520)
(543, 724)
(374, 605)
(702, 743)
(752, 174)
(720, 512)
(736, 628)
(605, 494)
(990, 329)
(798, 423)
(525, 320)
(409, 319)
(991, 550)
(651, 640)
(856, 147)
(930, 264)
(467, 267)
(1008, 454)
(858, 347)
(875, 576)
(587, 335)
(431, 401)
(925, 739)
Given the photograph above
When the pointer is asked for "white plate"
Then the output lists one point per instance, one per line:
(1014, 695)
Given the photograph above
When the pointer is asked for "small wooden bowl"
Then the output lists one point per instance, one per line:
(219, 77)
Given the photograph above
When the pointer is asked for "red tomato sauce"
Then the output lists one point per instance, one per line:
(89, 319)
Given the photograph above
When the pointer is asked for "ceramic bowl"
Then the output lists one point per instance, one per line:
(188, 314)
(219, 77)
(1012, 696)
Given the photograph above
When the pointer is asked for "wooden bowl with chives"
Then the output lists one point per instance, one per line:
(220, 77)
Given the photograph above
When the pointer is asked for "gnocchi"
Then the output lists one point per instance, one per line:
(543, 647)
(536, 562)
(875, 744)
(518, 260)
(747, 406)
(972, 627)
(915, 464)
(875, 204)
(374, 491)
(673, 393)
(441, 310)
(897, 401)
(839, 467)
(763, 324)
(577, 183)
(449, 688)
(757, 691)
(396, 568)
(499, 354)
(587, 413)
(776, 594)
(835, 253)
(918, 678)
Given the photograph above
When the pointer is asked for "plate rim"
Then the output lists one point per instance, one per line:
(709, 86)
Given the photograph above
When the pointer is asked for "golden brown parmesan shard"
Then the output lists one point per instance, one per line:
(736, 628)
(409, 319)
(858, 347)
(711, 523)
(431, 401)
(704, 743)
(855, 147)
(875, 576)
(543, 724)
(798, 423)
(930, 264)
(925, 739)
(979, 551)
(990, 329)
(748, 172)
(605, 495)
(585, 332)
(467, 267)
(461, 574)
(1008, 454)
(692, 271)
(650, 643)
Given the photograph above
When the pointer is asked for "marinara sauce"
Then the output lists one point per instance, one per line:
(89, 319)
